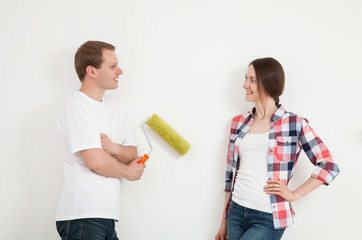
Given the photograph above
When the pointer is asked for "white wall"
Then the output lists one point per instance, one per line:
(184, 60)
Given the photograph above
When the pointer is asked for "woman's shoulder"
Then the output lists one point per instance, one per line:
(241, 117)
(294, 117)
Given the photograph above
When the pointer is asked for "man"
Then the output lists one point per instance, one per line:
(98, 148)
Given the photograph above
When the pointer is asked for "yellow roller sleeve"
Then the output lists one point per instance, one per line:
(168, 134)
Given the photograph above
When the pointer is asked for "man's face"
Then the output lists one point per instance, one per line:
(109, 71)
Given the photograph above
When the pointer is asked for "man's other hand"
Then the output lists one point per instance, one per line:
(135, 170)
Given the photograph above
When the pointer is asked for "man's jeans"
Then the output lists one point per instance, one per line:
(245, 223)
(87, 229)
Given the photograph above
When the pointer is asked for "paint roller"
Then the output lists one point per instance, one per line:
(165, 131)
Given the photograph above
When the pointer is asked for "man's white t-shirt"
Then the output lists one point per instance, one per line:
(87, 194)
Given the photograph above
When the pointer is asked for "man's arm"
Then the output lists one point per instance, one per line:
(124, 154)
(102, 163)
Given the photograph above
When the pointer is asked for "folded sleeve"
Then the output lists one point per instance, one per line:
(318, 154)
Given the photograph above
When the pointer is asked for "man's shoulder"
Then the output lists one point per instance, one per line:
(74, 102)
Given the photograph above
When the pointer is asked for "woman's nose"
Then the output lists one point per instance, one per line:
(245, 85)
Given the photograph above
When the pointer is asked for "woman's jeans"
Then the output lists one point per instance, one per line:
(87, 229)
(245, 223)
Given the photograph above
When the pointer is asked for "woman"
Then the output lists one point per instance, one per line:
(264, 147)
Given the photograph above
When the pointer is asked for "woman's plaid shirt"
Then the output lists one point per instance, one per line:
(288, 134)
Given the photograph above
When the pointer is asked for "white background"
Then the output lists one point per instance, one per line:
(184, 60)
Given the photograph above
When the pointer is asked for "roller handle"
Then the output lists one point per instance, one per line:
(144, 159)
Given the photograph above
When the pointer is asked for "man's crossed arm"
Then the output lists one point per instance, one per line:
(114, 160)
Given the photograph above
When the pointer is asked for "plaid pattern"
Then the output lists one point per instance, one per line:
(288, 134)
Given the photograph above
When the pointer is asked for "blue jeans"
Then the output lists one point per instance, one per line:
(245, 223)
(87, 229)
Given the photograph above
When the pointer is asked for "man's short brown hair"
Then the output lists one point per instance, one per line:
(90, 54)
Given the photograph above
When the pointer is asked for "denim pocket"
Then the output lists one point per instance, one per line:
(232, 204)
(230, 208)
(63, 228)
(267, 216)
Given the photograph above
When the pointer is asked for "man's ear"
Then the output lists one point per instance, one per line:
(91, 71)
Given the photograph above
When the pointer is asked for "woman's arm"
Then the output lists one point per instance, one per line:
(319, 155)
(276, 187)
(221, 235)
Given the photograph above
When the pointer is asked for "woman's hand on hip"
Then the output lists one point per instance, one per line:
(276, 187)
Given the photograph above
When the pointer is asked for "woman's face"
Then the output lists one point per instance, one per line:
(251, 86)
